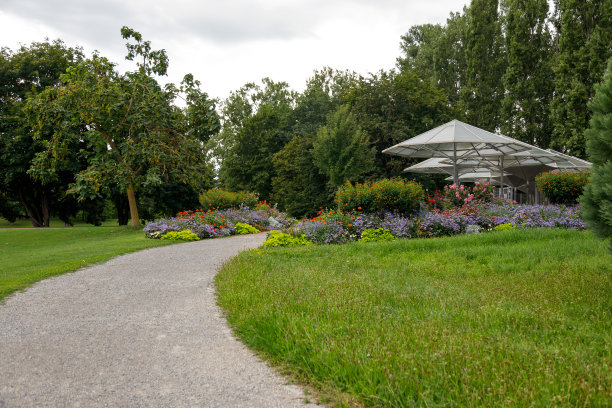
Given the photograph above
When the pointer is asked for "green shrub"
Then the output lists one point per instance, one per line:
(184, 235)
(243, 229)
(562, 187)
(280, 239)
(382, 195)
(222, 199)
(509, 226)
(376, 235)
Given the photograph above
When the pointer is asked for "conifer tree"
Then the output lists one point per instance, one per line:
(597, 198)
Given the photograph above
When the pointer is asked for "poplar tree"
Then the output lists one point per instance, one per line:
(485, 63)
(585, 28)
(528, 88)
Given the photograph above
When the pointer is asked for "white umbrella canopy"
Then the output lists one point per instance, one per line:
(456, 140)
(441, 165)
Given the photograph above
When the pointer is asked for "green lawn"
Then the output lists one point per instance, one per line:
(516, 319)
(30, 255)
(53, 223)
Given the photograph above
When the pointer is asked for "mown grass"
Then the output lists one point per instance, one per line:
(53, 223)
(30, 255)
(515, 319)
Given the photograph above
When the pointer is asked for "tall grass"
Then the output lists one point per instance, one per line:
(520, 318)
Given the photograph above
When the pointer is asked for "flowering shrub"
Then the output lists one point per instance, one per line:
(463, 194)
(243, 229)
(217, 199)
(184, 235)
(562, 187)
(281, 239)
(376, 235)
(383, 195)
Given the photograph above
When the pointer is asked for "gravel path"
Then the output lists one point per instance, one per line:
(142, 330)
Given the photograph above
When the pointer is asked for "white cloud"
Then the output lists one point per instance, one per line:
(228, 43)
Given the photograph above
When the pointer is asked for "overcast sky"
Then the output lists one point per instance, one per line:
(227, 43)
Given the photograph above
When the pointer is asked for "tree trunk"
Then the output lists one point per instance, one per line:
(133, 207)
(36, 221)
(45, 209)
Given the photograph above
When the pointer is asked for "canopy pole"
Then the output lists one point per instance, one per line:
(501, 178)
(455, 172)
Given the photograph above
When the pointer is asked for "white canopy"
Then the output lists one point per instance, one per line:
(455, 141)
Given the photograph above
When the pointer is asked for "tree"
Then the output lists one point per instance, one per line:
(485, 62)
(391, 108)
(342, 149)
(134, 135)
(248, 165)
(29, 71)
(299, 188)
(438, 53)
(239, 106)
(584, 47)
(597, 198)
(528, 88)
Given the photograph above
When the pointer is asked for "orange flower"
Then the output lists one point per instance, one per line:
(359, 208)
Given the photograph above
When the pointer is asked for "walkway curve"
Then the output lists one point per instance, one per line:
(142, 330)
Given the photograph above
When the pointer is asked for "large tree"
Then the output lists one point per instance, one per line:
(342, 150)
(485, 63)
(392, 107)
(584, 46)
(528, 88)
(248, 164)
(136, 138)
(23, 73)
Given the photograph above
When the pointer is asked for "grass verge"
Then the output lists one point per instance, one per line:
(30, 255)
(518, 318)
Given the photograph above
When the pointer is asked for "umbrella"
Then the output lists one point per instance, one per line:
(454, 141)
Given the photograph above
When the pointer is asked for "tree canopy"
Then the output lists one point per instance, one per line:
(136, 136)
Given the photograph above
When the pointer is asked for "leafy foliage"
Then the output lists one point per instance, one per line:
(525, 112)
(391, 108)
(376, 235)
(383, 195)
(562, 187)
(342, 149)
(134, 136)
(281, 239)
(23, 73)
(183, 235)
(299, 188)
(583, 51)
(244, 229)
(485, 62)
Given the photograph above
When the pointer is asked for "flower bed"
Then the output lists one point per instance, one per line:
(335, 227)
(219, 223)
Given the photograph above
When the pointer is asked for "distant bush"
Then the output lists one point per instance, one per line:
(218, 199)
(376, 235)
(562, 187)
(383, 195)
(184, 235)
(243, 229)
(280, 239)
